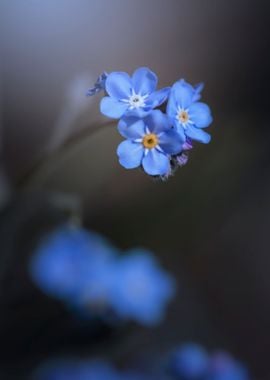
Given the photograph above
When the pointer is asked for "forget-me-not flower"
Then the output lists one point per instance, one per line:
(150, 143)
(82, 269)
(223, 367)
(189, 116)
(77, 370)
(99, 85)
(136, 95)
(189, 362)
(68, 260)
(141, 289)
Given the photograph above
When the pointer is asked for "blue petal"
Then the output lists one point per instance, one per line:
(158, 97)
(130, 154)
(112, 107)
(157, 122)
(144, 81)
(156, 163)
(131, 127)
(139, 112)
(198, 134)
(197, 92)
(200, 114)
(171, 142)
(171, 109)
(118, 85)
(182, 93)
(180, 130)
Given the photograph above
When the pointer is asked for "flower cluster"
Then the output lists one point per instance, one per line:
(86, 272)
(84, 370)
(189, 362)
(192, 362)
(157, 141)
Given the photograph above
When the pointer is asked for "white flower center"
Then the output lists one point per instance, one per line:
(136, 101)
(182, 117)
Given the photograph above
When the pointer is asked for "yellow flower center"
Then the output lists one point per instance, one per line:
(183, 117)
(150, 141)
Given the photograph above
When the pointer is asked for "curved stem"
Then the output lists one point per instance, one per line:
(85, 132)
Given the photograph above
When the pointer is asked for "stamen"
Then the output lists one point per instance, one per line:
(150, 141)
(136, 100)
(183, 116)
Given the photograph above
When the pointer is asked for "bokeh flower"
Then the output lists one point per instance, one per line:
(192, 362)
(189, 362)
(189, 116)
(141, 289)
(136, 95)
(76, 370)
(223, 367)
(66, 258)
(85, 271)
(150, 143)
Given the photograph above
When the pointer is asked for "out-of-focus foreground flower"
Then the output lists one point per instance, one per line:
(86, 272)
(192, 362)
(85, 370)
(188, 362)
(66, 258)
(223, 367)
(141, 289)
(77, 370)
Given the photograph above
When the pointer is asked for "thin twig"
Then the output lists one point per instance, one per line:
(84, 133)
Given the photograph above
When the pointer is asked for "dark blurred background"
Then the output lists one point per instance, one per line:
(209, 224)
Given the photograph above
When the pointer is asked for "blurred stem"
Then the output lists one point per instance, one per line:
(67, 144)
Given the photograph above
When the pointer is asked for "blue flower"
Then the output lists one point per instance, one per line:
(72, 369)
(132, 375)
(134, 95)
(141, 289)
(150, 142)
(83, 270)
(189, 362)
(188, 115)
(223, 367)
(77, 370)
(99, 85)
(66, 259)
(95, 285)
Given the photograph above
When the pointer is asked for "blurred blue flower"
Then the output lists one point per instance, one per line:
(84, 370)
(134, 95)
(77, 370)
(99, 85)
(223, 367)
(83, 270)
(141, 289)
(67, 259)
(132, 375)
(150, 142)
(189, 362)
(188, 115)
